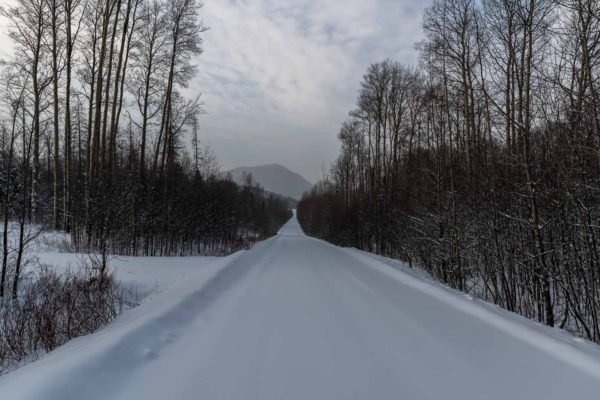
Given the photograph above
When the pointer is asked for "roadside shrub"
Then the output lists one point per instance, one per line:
(53, 308)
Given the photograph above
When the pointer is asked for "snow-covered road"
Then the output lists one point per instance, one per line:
(296, 318)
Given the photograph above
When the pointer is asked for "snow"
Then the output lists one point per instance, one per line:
(297, 318)
(142, 276)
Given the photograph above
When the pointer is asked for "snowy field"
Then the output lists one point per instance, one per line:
(144, 276)
(297, 318)
(140, 276)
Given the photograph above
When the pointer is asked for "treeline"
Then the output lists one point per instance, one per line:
(94, 129)
(482, 165)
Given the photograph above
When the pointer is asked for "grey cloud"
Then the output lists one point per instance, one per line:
(278, 77)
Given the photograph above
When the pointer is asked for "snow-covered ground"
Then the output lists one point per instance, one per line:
(297, 318)
(142, 276)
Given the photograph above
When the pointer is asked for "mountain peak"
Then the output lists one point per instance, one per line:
(274, 178)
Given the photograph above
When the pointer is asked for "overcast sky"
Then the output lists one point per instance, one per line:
(279, 76)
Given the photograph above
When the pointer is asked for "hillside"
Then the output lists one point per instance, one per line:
(274, 178)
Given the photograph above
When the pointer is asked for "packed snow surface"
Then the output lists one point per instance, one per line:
(297, 318)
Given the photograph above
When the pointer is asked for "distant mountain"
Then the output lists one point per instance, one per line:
(274, 178)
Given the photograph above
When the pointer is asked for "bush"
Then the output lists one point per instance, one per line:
(52, 309)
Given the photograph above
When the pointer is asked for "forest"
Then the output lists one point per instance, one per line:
(481, 164)
(100, 140)
(100, 137)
